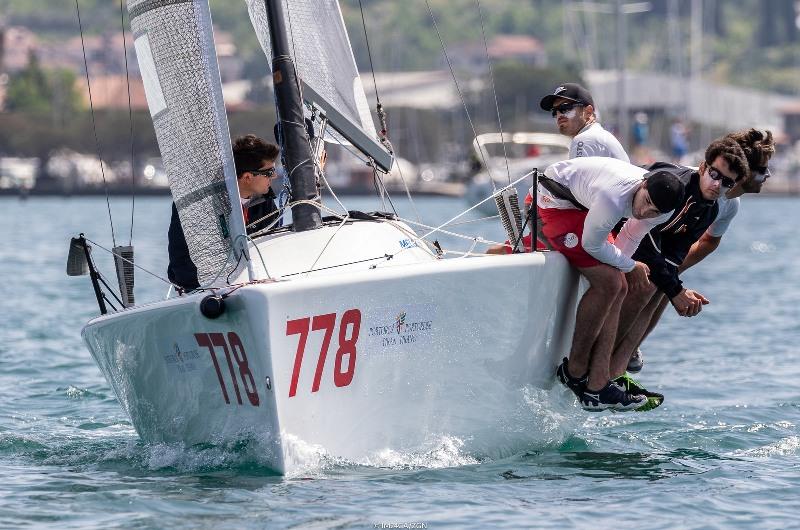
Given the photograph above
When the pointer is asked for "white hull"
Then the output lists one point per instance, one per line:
(443, 347)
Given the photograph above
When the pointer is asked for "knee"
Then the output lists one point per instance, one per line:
(642, 296)
(614, 285)
(622, 287)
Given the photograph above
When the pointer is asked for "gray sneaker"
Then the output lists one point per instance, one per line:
(636, 362)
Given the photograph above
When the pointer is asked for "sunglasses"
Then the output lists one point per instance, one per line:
(761, 174)
(269, 173)
(563, 108)
(716, 174)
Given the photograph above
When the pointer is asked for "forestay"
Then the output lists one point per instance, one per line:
(325, 63)
(176, 54)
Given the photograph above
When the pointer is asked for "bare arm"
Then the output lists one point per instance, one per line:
(699, 250)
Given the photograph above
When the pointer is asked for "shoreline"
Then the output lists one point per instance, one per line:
(447, 189)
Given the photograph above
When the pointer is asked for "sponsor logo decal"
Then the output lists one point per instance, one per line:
(181, 359)
(410, 325)
(571, 240)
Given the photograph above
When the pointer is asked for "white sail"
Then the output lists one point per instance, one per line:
(324, 61)
(176, 54)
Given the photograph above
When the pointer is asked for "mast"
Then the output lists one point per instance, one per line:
(296, 148)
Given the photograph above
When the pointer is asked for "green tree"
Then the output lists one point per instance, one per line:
(35, 90)
(28, 91)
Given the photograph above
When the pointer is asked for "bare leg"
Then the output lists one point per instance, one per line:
(600, 363)
(631, 340)
(630, 312)
(663, 301)
(605, 285)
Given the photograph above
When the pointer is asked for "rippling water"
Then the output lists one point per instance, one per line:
(723, 451)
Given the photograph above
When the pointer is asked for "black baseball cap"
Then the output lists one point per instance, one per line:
(666, 190)
(571, 91)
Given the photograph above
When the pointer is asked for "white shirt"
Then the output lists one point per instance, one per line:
(606, 187)
(728, 208)
(593, 140)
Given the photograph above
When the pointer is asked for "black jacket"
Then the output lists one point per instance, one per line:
(665, 247)
(181, 270)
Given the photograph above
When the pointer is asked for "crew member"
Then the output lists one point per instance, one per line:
(254, 159)
(758, 148)
(580, 201)
(573, 108)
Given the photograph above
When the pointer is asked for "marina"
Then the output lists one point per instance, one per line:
(435, 300)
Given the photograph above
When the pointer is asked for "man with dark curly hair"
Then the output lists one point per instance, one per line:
(667, 246)
(254, 159)
(759, 148)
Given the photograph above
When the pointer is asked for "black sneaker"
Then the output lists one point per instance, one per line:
(636, 362)
(577, 385)
(630, 385)
(611, 397)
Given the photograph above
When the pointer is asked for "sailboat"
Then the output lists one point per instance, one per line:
(347, 332)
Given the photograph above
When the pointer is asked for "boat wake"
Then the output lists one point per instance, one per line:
(542, 419)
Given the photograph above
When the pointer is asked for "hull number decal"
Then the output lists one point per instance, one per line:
(349, 328)
(234, 353)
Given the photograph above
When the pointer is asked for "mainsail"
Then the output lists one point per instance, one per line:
(325, 63)
(176, 54)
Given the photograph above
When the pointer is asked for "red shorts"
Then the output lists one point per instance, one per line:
(564, 231)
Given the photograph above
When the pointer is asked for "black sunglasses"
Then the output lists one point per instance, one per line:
(716, 174)
(269, 173)
(761, 174)
(563, 108)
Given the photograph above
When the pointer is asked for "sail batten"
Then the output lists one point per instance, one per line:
(175, 49)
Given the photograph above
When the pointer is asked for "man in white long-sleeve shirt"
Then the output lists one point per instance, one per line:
(580, 201)
(573, 108)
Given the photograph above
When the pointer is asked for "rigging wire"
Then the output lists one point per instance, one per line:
(458, 87)
(369, 55)
(94, 124)
(153, 274)
(130, 118)
(494, 92)
(382, 116)
(490, 197)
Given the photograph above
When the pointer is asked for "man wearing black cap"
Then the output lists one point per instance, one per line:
(580, 201)
(667, 245)
(573, 108)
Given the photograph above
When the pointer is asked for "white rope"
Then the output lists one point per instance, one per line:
(480, 239)
(490, 197)
(263, 263)
(325, 247)
(408, 192)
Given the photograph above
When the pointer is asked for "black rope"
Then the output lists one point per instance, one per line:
(458, 88)
(494, 92)
(110, 290)
(94, 125)
(130, 118)
(376, 181)
(369, 54)
(387, 257)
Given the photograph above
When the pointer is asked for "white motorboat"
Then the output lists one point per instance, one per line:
(506, 157)
(349, 333)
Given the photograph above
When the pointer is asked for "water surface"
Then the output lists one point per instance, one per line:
(723, 451)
